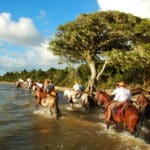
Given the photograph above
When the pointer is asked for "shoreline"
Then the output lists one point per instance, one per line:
(5, 82)
(64, 88)
(13, 83)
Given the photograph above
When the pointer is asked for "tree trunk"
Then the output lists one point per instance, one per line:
(92, 82)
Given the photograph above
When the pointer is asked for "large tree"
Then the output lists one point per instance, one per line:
(90, 35)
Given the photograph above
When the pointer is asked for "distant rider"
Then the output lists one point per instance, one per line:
(78, 89)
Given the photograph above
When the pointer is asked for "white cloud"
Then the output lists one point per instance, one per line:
(33, 58)
(30, 47)
(139, 8)
(22, 33)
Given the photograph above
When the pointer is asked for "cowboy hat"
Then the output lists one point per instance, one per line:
(121, 84)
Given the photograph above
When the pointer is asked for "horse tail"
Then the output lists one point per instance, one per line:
(58, 114)
(138, 126)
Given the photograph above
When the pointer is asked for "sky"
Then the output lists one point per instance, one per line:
(26, 27)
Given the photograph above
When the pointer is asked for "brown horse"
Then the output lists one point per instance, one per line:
(130, 117)
(143, 103)
(49, 100)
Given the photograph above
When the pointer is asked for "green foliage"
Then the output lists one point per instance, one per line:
(90, 34)
(142, 31)
(87, 38)
(83, 72)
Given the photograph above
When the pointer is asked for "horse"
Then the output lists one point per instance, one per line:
(47, 100)
(18, 84)
(143, 103)
(82, 99)
(130, 116)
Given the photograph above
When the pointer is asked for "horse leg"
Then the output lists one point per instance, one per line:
(57, 108)
(132, 128)
(116, 126)
(107, 124)
(37, 102)
(86, 103)
(106, 116)
(50, 106)
(71, 102)
(124, 125)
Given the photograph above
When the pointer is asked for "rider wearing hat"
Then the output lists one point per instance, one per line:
(77, 88)
(48, 86)
(121, 98)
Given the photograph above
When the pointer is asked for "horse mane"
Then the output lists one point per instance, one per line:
(142, 99)
(105, 99)
(142, 96)
(105, 94)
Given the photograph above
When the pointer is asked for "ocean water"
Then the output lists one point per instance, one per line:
(24, 128)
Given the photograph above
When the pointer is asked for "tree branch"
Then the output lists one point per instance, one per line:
(102, 70)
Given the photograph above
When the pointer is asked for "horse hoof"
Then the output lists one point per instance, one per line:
(59, 115)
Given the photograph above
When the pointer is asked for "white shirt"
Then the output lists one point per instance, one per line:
(40, 85)
(115, 93)
(122, 94)
(20, 80)
(77, 87)
(29, 84)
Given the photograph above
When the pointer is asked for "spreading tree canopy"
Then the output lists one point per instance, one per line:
(90, 35)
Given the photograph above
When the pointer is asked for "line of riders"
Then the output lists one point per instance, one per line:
(116, 106)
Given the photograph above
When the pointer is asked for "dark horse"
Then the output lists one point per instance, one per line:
(49, 100)
(130, 116)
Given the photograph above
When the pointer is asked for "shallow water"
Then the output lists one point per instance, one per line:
(23, 128)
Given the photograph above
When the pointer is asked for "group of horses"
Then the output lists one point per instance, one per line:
(130, 116)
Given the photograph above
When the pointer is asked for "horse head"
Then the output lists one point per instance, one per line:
(102, 98)
(142, 101)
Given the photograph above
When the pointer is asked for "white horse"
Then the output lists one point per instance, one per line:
(82, 100)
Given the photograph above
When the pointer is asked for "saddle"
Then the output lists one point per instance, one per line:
(119, 111)
(53, 92)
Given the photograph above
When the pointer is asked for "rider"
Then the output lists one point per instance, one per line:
(122, 96)
(114, 93)
(29, 84)
(78, 89)
(49, 86)
(39, 84)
